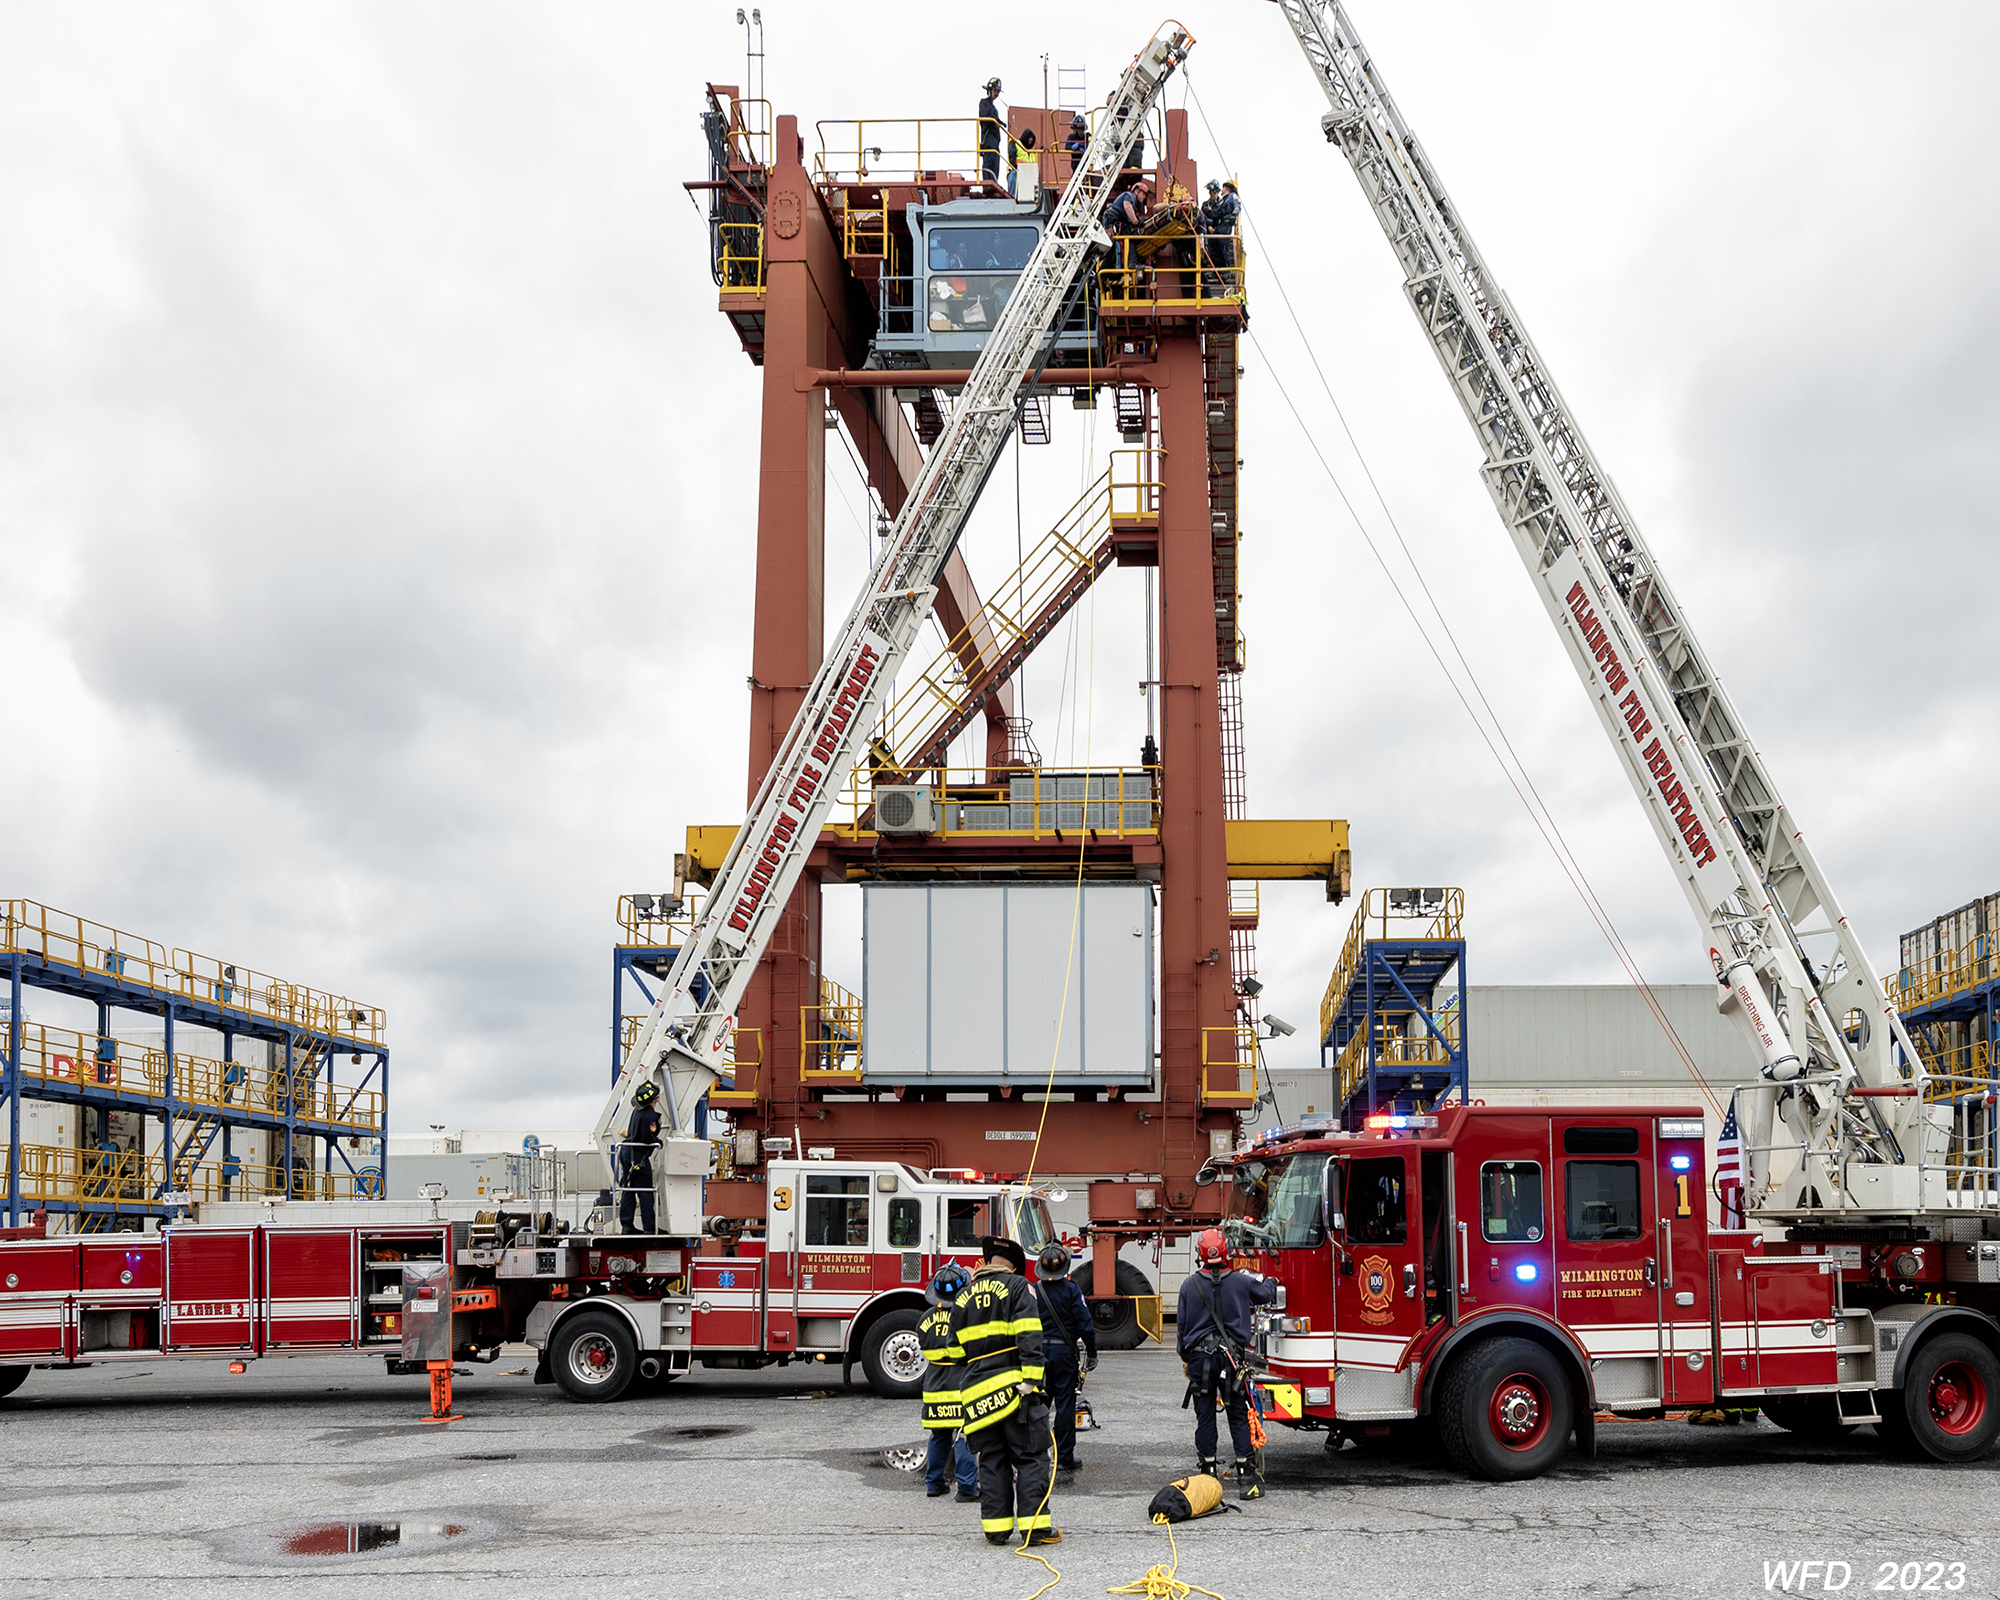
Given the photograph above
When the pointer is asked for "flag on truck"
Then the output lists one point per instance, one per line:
(1729, 1169)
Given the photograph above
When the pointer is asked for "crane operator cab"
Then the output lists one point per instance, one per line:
(967, 258)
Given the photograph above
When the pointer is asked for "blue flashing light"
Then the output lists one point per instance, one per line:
(1525, 1272)
(1680, 1163)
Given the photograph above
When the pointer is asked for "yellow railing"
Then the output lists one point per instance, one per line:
(864, 229)
(120, 1177)
(1422, 914)
(1246, 903)
(1178, 269)
(69, 1057)
(740, 1093)
(654, 929)
(1011, 613)
(69, 941)
(742, 260)
(1136, 487)
(830, 1036)
(1949, 972)
(748, 129)
(1394, 1051)
(1231, 1050)
(900, 149)
(1011, 802)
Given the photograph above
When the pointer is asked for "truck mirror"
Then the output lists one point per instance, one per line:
(1337, 1221)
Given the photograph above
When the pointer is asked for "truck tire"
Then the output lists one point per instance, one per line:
(1810, 1416)
(11, 1378)
(1504, 1410)
(594, 1356)
(892, 1357)
(1118, 1320)
(1949, 1406)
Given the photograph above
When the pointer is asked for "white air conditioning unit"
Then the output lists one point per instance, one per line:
(905, 811)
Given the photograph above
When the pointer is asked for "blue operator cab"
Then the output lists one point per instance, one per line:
(968, 256)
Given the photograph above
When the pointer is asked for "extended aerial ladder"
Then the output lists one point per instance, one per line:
(684, 1040)
(1838, 1065)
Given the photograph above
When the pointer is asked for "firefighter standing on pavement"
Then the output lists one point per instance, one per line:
(1213, 1316)
(998, 1324)
(1066, 1322)
(948, 1448)
(635, 1160)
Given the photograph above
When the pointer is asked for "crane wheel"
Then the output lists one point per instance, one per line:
(1504, 1410)
(1949, 1406)
(594, 1356)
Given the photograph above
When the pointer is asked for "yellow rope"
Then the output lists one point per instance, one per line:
(1163, 1582)
(1023, 1550)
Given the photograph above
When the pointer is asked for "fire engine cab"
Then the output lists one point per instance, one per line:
(1501, 1275)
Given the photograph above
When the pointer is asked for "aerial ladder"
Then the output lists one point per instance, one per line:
(1838, 1068)
(683, 1042)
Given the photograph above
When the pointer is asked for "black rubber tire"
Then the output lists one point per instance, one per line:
(11, 1378)
(1118, 1320)
(1949, 1406)
(1504, 1374)
(1810, 1416)
(594, 1356)
(890, 1356)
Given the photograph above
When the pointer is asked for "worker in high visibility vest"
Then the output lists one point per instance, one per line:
(947, 1450)
(998, 1324)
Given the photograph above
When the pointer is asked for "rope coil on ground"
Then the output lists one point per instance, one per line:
(1164, 1582)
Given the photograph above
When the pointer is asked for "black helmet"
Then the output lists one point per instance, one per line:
(1077, 121)
(1053, 1262)
(1214, 187)
(992, 85)
(949, 1283)
(995, 1248)
(646, 1093)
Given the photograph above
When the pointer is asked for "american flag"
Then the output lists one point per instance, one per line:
(1729, 1169)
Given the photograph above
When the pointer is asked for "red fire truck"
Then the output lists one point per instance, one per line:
(1501, 1275)
(836, 1273)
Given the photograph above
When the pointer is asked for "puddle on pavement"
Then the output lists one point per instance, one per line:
(497, 1455)
(312, 1541)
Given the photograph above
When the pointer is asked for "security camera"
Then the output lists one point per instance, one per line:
(1279, 1027)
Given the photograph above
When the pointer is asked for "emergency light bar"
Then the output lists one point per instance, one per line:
(1683, 1128)
(1383, 1119)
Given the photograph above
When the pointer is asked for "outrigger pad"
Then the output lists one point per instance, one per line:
(1197, 1495)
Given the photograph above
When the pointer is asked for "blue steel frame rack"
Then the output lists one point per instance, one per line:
(112, 980)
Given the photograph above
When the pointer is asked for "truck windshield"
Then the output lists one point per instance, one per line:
(1295, 1210)
(1030, 1223)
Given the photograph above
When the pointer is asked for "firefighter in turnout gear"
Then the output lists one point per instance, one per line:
(948, 1448)
(1213, 1317)
(998, 1324)
(635, 1159)
(1066, 1322)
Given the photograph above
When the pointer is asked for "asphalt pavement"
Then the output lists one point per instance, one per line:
(319, 1476)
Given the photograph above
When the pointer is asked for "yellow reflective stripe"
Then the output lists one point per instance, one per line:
(986, 1386)
(1039, 1520)
(997, 1524)
(1032, 1374)
(999, 1328)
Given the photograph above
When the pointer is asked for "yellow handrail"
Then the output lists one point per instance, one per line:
(830, 1036)
(1438, 920)
(1178, 271)
(1011, 802)
(1230, 1048)
(64, 940)
(1949, 972)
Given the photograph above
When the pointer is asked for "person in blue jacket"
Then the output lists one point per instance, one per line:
(1066, 1323)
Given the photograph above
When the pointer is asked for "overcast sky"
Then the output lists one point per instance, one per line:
(377, 477)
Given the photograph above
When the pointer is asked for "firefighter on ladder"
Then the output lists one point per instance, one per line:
(1213, 1317)
(998, 1324)
(635, 1160)
(948, 1453)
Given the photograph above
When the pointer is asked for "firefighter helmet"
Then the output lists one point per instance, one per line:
(646, 1093)
(1210, 1250)
(948, 1284)
(1053, 1262)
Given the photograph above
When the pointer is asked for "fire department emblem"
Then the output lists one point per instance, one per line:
(1378, 1291)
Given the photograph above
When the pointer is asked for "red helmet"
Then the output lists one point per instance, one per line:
(1209, 1248)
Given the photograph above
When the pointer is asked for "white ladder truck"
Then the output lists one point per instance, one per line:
(1844, 1128)
(685, 1038)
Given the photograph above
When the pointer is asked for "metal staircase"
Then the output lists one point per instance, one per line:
(1396, 1042)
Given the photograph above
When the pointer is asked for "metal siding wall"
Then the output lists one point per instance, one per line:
(981, 981)
(968, 1016)
(1589, 1040)
(895, 931)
